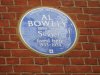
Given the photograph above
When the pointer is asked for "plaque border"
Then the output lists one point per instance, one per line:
(40, 53)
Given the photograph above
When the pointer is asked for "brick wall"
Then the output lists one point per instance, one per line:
(84, 59)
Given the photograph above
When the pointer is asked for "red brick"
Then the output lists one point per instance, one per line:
(12, 61)
(4, 53)
(72, 10)
(22, 46)
(96, 69)
(9, 30)
(83, 17)
(4, 37)
(85, 31)
(19, 15)
(67, 3)
(78, 74)
(17, 9)
(13, 23)
(78, 46)
(23, 53)
(99, 60)
(97, 46)
(27, 74)
(52, 69)
(4, 23)
(83, 39)
(95, 54)
(41, 74)
(73, 16)
(92, 11)
(3, 9)
(26, 61)
(81, 3)
(92, 24)
(78, 69)
(93, 74)
(31, 68)
(41, 61)
(94, 39)
(90, 61)
(1, 30)
(94, 3)
(20, 2)
(1, 45)
(0, 16)
(7, 2)
(2, 60)
(60, 74)
(96, 31)
(2, 73)
(14, 38)
(8, 16)
(34, 2)
(58, 61)
(6, 68)
(13, 74)
(51, 3)
(88, 46)
(80, 24)
(77, 61)
(78, 54)
(11, 45)
(95, 17)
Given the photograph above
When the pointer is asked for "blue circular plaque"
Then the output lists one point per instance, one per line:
(47, 31)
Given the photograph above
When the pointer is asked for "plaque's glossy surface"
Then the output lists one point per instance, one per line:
(48, 31)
